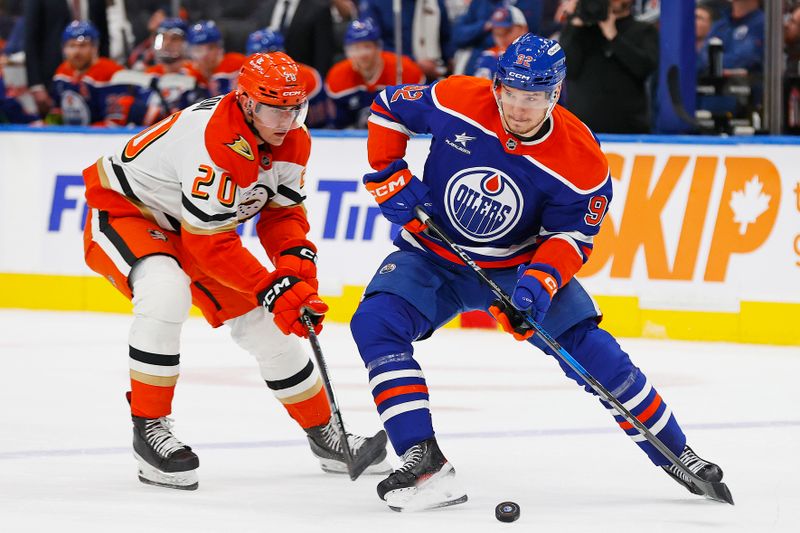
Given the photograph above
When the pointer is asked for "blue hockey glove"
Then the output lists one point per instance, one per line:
(398, 192)
(537, 283)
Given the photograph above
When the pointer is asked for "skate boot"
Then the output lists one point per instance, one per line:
(163, 460)
(425, 481)
(369, 453)
(702, 468)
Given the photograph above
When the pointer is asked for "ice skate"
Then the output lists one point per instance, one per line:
(702, 468)
(163, 460)
(425, 481)
(369, 453)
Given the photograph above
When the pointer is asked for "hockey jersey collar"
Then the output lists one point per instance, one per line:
(230, 143)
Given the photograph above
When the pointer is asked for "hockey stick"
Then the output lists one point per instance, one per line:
(713, 490)
(355, 465)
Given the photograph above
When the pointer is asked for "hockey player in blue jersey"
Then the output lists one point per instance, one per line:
(521, 185)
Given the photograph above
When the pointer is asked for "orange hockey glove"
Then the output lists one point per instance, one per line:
(511, 320)
(286, 296)
(300, 255)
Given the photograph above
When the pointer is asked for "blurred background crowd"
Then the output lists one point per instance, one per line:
(131, 62)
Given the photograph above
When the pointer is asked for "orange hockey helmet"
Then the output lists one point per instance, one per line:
(273, 84)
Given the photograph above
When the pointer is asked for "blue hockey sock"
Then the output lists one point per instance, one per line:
(384, 327)
(401, 395)
(643, 401)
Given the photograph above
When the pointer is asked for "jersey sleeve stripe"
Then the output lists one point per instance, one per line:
(565, 181)
(396, 126)
(203, 216)
(294, 196)
(379, 110)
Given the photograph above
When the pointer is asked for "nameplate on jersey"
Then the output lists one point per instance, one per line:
(482, 203)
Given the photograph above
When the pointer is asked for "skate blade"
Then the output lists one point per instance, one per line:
(149, 475)
(440, 490)
(331, 466)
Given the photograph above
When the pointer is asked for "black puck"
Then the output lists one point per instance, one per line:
(506, 511)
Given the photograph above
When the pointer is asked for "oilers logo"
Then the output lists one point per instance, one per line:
(74, 109)
(483, 203)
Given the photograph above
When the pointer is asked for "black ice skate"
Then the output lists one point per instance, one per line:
(700, 467)
(163, 460)
(425, 481)
(369, 453)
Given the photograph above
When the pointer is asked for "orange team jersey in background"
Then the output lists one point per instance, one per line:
(352, 95)
(88, 98)
(181, 188)
(173, 98)
(319, 113)
(223, 79)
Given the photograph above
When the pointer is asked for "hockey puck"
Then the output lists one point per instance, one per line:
(506, 511)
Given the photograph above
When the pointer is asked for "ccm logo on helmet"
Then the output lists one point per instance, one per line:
(292, 93)
(512, 74)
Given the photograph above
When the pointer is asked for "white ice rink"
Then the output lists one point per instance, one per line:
(514, 427)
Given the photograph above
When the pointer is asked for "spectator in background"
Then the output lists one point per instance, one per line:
(45, 21)
(307, 27)
(474, 29)
(352, 84)
(791, 35)
(741, 29)
(143, 54)
(82, 89)
(120, 31)
(16, 105)
(508, 23)
(343, 12)
(609, 65)
(268, 41)
(163, 98)
(426, 32)
(704, 17)
(219, 69)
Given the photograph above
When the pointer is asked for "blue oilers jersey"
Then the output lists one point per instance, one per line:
(505, 201)
(90, 97)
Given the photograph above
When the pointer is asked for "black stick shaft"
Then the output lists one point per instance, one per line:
(326, 381)
(566, 357)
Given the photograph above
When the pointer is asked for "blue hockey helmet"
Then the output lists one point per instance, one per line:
(362, 30)
(266, 41)
(173, 24)
(532, 63)
(204, 32)
(80, 30)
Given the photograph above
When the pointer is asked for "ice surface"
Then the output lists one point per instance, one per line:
(514, 427)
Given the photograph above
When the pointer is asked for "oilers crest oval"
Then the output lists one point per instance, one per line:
(482, 203)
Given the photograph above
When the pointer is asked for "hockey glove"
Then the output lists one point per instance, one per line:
(537, 283)
(286, 296)
(398, 192)
(300, 256)
(511, 320)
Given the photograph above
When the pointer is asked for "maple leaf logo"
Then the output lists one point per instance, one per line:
(749, 204)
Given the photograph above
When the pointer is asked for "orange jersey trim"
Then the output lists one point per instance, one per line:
(230, 143)
(569, 152)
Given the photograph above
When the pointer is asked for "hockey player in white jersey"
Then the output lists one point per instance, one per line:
(162, 229)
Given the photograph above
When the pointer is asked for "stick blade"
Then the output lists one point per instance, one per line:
(369, 452)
